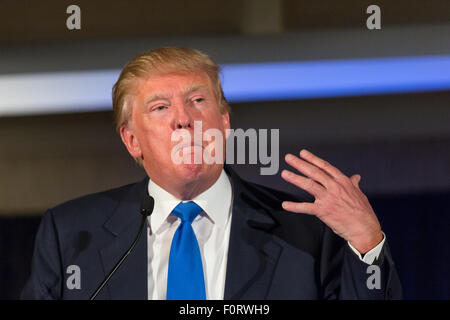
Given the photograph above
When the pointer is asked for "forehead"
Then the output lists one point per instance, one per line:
(171, 82)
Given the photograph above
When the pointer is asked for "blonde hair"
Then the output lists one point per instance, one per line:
(160, 61)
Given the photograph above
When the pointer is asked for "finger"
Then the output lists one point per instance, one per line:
(299, 207)
(322, 164)
(355, 179)
(306, 184)
(309, 170)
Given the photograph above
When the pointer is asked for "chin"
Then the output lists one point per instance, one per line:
(190, 172)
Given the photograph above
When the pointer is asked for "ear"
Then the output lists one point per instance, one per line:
(226, 123)
(130, 141)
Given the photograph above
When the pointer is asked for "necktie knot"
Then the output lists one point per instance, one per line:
(187, 211)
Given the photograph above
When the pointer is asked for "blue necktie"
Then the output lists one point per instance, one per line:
(185, 276)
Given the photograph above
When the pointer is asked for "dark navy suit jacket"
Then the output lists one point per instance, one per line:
(272, 254)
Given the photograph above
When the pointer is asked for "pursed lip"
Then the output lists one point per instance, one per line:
(187, 145)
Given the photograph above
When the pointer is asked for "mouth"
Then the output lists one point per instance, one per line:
(186, 147)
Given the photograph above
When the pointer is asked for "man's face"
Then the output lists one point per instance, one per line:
(167, 104)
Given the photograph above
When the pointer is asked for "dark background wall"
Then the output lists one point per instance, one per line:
(399, 143)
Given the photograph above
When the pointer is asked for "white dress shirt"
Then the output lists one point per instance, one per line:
(212, 229)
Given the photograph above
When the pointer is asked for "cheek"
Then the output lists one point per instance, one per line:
(213, 119)
(156, 141)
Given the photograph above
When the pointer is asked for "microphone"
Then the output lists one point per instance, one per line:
(146, 209)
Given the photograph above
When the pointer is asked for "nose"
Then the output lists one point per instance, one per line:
(182, 117)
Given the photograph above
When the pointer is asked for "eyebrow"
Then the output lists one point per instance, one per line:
(155, 97)
(189, 90)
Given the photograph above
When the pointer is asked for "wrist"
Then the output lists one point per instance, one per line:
(366, 243)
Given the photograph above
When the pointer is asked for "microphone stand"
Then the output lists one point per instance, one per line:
(146, 210)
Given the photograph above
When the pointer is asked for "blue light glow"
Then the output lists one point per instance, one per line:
(91, 90)
(334, 78)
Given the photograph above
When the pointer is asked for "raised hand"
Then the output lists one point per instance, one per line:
(339, 202)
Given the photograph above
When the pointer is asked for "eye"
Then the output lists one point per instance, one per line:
(159, 108)
(198, 100)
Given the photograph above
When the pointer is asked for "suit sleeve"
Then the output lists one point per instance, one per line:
(344, 276)
(45, 280)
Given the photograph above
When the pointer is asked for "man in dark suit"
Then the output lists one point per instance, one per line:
(211, 235)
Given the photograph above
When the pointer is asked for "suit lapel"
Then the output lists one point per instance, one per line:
(252, 254)
(130, 280)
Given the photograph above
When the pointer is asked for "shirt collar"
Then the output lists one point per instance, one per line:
(215, 202)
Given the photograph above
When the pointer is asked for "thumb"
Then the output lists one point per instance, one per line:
(356, 178)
